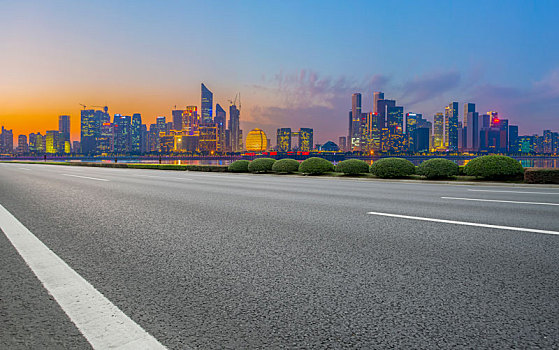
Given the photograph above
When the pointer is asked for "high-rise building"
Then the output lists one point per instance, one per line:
(235, 133)
(64, 127)
(106, 139)
(342, 143)
(283, 141)
(438, 131)
(305, 139)
(52, 139)
(471, 128)
(208, 138)
(377, 96)
(161, 124)
(207, 104)
(6, 141)
(355, 123)
(122, 131)
(135, 133)
(22, 146)
(451, 126)
(144, 139)
(513, 139)
(178, 122)
(89, 131)
(221, 121)
(411, 126)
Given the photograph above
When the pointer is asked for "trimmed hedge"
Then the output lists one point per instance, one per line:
(494, 167)
(239, 166)
(285, 166)
(392, 168)
(541, 176)
(352, 167)
(437, 168)
(261, 165)
(315, 166)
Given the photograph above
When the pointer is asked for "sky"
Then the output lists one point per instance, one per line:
(294, 62)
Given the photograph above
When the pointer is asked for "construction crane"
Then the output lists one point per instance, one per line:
(234, 102)
(84, 106)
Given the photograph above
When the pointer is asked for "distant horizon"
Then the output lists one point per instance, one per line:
(295, 63)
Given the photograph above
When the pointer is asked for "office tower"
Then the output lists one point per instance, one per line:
(153, 138)
(355, 124)
(547, 141)
(383, 134)
(421, 137)
(178, 122)
(305, 139)
(76, 147)
(161, 124)
(22, 146)
(106, 139)
(88, 131)
(208, 138)
(220, 120)
(468, 108)
(190, 119)
(283, 141)
(438, 131)
(256, 141)
(122, 129)
(493, 118)
(377, 96)
(411, 126)
(451, 126)
(144, 139)
(207, 104)
(513, 139)
(235, 130)
(395, 126)
(32, 143)
(135, 133)
(64, 127)
(6, 141)
(51, 145)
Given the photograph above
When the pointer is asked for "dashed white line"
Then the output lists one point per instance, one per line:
(103, 324)
(86, 177)
(498, 201)
(510, 228)
(498, 191)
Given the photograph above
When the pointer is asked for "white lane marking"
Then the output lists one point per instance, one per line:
(23, 169)
(514, 192)
(103, 324)
(86, 177)
(511, 228)
(497, 201)
(164, 177)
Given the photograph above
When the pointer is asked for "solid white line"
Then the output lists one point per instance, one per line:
(497, 201)
(103, 324)
(514, 192)
(86, 177)
(511, 228)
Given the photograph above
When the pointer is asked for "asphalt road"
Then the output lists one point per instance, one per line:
(227, 261)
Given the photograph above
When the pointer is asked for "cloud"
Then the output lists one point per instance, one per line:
(429, 86)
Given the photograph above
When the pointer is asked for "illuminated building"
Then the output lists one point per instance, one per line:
(190, 119)
(41, 143)
(411, 126)
(122, 125)
(135, 133)
(235, 133)
(161, 124)
(354, 135)
(88, 131)
(52, 141)
(220, 120)
(207, 137)
(283, 140)
(305, 139)
(342, 143)
(207, 105)
(438, 131)
(471, 127)
(144, 139)
(64, 127)
(395, 125)
(513, 139)
(329, 146)
(166, 143)
(377, 96)
(33, 143)
(256, 141)
(22, 146)
(67, 147)
(451, 126)
(6, 141)
(76, 148)
(106, 139)
(177, 115)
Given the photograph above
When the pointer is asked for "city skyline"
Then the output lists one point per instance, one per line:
(123, 60)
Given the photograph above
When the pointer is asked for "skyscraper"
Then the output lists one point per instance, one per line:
(438, 131)
(22, 146)
(89, 131)
(135, 133)
(234, 129)
(283, 141)
(355, 123)
(122, 130)
(305, 139)
(207, 104)
(221, 121)
(178, 122)
(64, 127)
(451, 126)
(377, 96)
(471, 126)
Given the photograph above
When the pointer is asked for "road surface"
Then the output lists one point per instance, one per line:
(240, 261)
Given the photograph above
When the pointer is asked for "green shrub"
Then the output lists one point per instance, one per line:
(261, 165)
(392, 167)
(352, 167)
(315, 166)
(461, 170)
(239, 166)
(212, 168)
(437, 168)
(541, 176)
(494, 167)
(285, 166)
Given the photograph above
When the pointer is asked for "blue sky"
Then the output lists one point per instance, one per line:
(295, 63)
